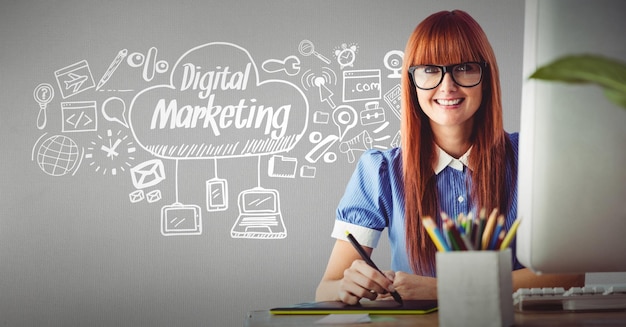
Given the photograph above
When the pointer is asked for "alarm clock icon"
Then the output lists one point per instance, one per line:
(346, 55)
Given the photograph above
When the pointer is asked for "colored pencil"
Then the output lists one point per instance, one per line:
(499, 240)
(510, 234)
(453, 233)
(496, 233)
(491, 222)
(435, 235)
(480, 229)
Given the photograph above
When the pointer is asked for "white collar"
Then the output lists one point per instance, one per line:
(444, 160)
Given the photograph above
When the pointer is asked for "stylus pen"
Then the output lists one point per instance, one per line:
(363, 254)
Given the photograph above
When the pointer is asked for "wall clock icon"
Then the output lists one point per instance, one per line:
(111, 153)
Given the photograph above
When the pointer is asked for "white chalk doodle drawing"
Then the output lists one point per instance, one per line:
(306, 48)
(112, 67)
(346, 55)
(393, 61)
(216, 192)
(148, 173)
(79, 116)
(290, 65)
(361, 85)
(136, 196)
(282, 167)
(345, 117)
(74, 79)
(259, 215)
(307, 171)
(179, 219)
(211, 105)
(372, 114)
(212, 126)
(149, 63)
(361, 142)
(310, 79)
(208, 125)
(153, 196)
(392, 98)
(382, 138)
(320, 117)
(43, 94)
(111, 152)
(114, 110)
(57, 155)
(321, 148)
(396, 141)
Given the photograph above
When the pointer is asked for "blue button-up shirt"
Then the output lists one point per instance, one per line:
(374, 200)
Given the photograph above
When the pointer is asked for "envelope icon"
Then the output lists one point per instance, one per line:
(153, 196)
(136, 196)
(148, 173)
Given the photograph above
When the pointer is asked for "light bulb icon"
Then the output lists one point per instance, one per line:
(43, 95)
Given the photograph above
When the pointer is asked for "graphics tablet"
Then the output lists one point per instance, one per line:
(379, 307)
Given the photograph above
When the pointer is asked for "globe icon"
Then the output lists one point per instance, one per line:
(57, 155)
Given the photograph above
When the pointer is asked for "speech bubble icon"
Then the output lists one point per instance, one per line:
(345, 117)
(114, 110)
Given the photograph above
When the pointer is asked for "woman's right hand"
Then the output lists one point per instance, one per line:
(360, 280)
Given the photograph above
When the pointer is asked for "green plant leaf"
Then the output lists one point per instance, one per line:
(585, 69)
(607, 73)
(619, 98)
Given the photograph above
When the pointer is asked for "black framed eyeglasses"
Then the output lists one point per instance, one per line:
(466, 74)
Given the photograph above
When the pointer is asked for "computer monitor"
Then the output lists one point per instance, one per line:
(572, 157)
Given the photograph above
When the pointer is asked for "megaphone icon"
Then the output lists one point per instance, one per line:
(361, 142)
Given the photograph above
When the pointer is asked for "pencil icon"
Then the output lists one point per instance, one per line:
(112, 67)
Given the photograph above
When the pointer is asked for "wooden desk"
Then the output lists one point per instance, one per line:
(604, 319)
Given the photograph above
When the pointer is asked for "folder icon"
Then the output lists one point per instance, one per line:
(280, 166)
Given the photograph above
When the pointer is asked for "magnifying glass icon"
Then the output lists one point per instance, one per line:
(306, 48)
(43, 95)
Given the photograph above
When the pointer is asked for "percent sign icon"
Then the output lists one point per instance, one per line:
(149, 62)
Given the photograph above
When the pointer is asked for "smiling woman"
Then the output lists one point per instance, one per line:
(456, 159)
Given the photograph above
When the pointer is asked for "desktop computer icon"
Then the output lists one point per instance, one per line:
(259, 215)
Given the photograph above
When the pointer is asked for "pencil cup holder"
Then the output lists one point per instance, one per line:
(474, 288)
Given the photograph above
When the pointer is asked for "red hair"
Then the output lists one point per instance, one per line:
(445, 38)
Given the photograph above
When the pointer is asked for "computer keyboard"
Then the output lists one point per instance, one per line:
(572, 299)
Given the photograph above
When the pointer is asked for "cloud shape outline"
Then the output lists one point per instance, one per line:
(196, 143)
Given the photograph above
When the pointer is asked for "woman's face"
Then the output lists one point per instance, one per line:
(450, 105)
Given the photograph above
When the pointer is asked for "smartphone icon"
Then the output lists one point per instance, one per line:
(216, 194)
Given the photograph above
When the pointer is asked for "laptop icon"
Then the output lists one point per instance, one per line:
(259, 215)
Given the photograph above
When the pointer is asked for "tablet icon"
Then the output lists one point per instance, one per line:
(181, 219)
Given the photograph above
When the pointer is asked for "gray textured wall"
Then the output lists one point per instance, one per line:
(105, 218)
